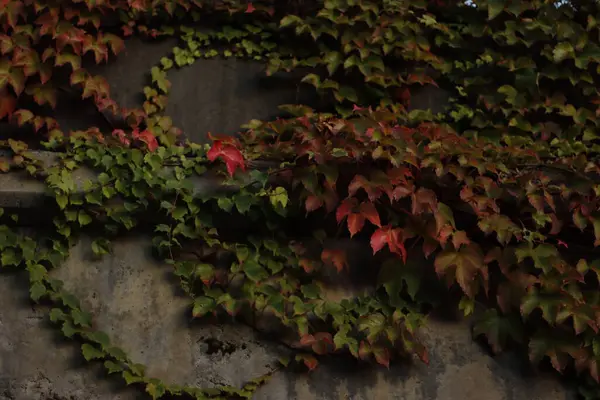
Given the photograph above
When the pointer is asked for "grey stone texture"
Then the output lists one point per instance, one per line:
(136, 301)
(211, 95)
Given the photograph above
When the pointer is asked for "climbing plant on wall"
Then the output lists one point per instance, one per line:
(500, 190)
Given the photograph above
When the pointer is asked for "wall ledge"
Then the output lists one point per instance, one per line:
(21, 191)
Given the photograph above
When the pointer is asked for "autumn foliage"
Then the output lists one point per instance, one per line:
(499, 191)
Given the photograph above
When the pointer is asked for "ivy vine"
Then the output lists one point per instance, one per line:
(500, 190)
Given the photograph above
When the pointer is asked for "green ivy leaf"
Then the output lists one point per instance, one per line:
(333, 60)
(130, 378)
(69, 300)
(205, 272)
(81, 318)
(156, 390)
(225, 204)
(338, 152)
(495, 7)
(68, 329)
(37, 272)
(100, 246)
(90, 352)
(279, 196)
(311, 291)
(166, 63)
(254, 271)
(202, 306)
(99, 337)
(112, 367)
(83, 218)
(179, 212)
(313, 79)
(37, 291)
(56, 315)
(62, 201)
(563, 51)
(243, 202)
(289, 20)
(9, 257)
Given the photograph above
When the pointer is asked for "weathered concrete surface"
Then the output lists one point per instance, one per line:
(458, 370)
(135, 300)
(137, 304)
(35, 364)
(212, 95)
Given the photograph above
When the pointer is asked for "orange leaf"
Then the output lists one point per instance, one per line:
(4, 165)
(310, 361)
(355, 223)
(335, 257)
(382, 355)
(465, 262)
(7, 104)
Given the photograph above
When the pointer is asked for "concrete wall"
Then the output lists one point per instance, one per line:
(136, 302)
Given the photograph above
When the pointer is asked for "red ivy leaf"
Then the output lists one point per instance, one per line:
(392, 237)
(307, 340)
(307, 265)
(556, 224)
(330, 197)
(324, 337)
(369, 211)
(421, 352)
(364, 350)
(335, 257)
(355, 223)
(310, 361)
(250, 8)
(423, 197)
(402, 191)
(459, 238)
(360, 182)
(382, 355)
(320, 342)
(146, 137)
(137, 4)
(7, 104)
(122, 137)
(345, 209)
(127, 30)
(232, 157)
(378, 240)
(313, 203)
(429, 246)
